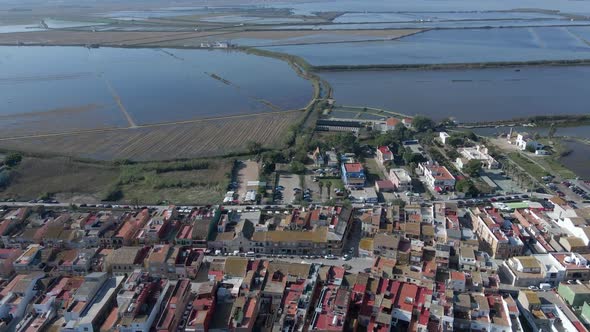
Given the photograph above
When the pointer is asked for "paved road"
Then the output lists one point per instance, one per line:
(358, 264)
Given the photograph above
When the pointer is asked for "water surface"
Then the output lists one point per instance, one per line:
(467, 95)
(579, 159)
(151, 85)
(453, 46)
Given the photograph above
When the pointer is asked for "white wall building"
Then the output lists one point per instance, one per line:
(479, 153)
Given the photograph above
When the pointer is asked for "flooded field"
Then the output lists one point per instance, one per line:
(439, 16)
(467, 95)
(454, 46)
(77, 88)
(579, 159)
(309, 8)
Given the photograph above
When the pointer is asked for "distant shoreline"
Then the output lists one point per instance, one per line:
(453, 66)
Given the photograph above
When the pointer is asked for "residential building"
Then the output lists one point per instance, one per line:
(333, 302)
(533, 270)
(391, 124)
(332, 159)
(384, 186)
(158, 263)
(576, 266)
(371, 221)
(17, 294)
(443, 135)
(175, 305)
(92, 302)
(545, 311)
(130, 226)
(125, 260)
(525, 140)
(438, 178)
(29, 260)
(575, 293)
(364, 195)
(353, 175)
(141, 300)
(479, 153)
(7, 258)
(495, 233)
(203, 308)
(384, 155)
(401, 179)
(318, 158)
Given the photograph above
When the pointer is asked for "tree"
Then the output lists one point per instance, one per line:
(455, 141)
(411, 157)
(12, 159)
(297, 167)
(530, 148)
(321, 186)
(472, 168)
(422, 123)
(384, 140)
(344, 142)
(253, 147)
(329, 188)
(453, 155)
(467, 187)
(471, 135)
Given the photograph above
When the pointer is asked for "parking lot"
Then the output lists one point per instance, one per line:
(288, 182)
(248, 172)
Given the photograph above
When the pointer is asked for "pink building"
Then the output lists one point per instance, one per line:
(384, 154)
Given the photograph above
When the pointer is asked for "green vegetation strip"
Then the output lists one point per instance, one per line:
(445, 66)
(530, 167)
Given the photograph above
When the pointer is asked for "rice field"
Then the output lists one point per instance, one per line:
(189, 139)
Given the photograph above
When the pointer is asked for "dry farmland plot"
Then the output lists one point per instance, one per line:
(188, 139)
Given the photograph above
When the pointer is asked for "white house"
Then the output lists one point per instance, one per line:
(479, 153)
(524, 140)
(444, 136)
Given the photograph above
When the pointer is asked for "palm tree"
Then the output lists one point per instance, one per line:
(329, 188)
(321, 185)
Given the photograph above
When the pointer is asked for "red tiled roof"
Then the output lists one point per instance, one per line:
(392, 121)
(384, 149)
(407, 296)
(456, 275)
(440, 173)
(353, 167)
(385, 184)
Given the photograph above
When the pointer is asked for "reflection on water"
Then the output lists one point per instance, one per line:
(579, 159)
(467, 95)
(152, 85)
(453, 46)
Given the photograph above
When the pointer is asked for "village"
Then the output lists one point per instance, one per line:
(426, 230)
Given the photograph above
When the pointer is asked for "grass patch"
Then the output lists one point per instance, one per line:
(374, 173)
(63, 177)
(191, 182)
(530, 167)
(557, 167)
